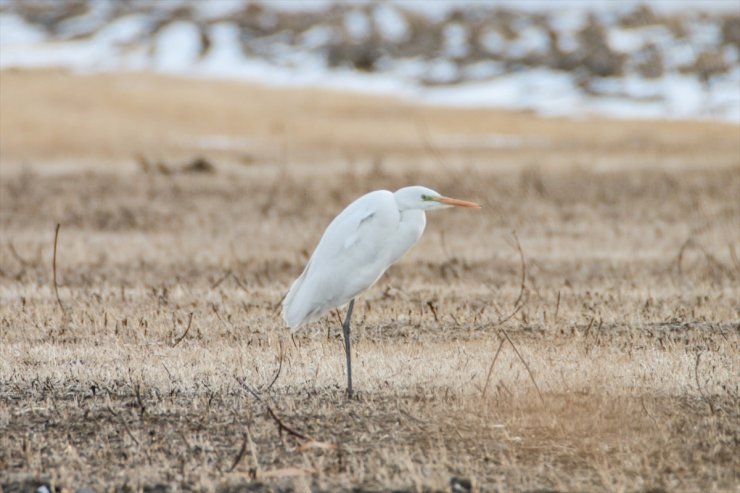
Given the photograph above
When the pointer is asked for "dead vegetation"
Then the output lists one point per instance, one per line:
(168, 368)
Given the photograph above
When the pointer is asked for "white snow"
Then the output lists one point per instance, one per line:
(301, 5)
(549, 92)
(123, 30)
(532, 39)
(316, 37)
(626, 40)
(357, 25)
(177, 47)
(16, 31)
(492, 41)
(99, 11)
(214, 9)
(484, 70)
(440, 8)
(391, 25)
(441, 71)
(455, 40)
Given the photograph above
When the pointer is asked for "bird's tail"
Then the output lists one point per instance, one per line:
(293, 311)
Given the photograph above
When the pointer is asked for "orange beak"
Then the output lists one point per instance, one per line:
(457, 202)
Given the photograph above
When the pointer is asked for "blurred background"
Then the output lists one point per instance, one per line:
(634, 59)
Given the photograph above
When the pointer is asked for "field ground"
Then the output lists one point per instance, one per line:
(186, 208)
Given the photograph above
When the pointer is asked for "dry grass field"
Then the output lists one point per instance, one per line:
(186, 208)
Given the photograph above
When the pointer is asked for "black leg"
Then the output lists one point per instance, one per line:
(345, 328)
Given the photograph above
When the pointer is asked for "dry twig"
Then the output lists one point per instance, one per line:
(280, 365)
(523, 281)
(16, 255)
(239, 455)
(187, 329)
(433, 310)
(521, 358)
(518, 304)
(490, 368)
(54, 269)
(698, 385)
(281, 425)
(221, 279)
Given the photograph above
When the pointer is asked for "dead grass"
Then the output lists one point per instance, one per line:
(55, 115)
(629, 322)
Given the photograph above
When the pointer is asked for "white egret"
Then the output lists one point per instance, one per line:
(356, 249)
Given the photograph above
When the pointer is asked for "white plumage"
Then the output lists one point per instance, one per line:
(359, 245)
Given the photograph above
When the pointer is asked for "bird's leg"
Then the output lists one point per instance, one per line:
(345, 329)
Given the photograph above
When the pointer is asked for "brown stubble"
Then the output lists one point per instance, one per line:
(170, 279)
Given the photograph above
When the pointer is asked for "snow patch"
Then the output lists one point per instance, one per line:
(357, 25)
(16, 31)
(177, 47)
(391, 25)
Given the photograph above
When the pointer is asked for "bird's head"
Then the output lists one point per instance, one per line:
(423, 198)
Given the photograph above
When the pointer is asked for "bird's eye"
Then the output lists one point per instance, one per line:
(425, 197)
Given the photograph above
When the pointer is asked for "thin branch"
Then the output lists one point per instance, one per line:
(490, 368)
(433, 310)
(249, 389)
(253, 450)
(698, 385)
(124, 423)
(218, 316)
(54, 269)
(187, 329)
(508, 317)
(423, 131)
(239, 283)
(139, 400)
(495, 357)
(523, 269)
(280, 366)
(281, 425)
(21, 260)
(518, 304)
(285, 427)
(221, 279)
(733, 256)
(679, 257)
(239, 456)
(531, 375)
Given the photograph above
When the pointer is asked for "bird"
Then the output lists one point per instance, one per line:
(356, 249)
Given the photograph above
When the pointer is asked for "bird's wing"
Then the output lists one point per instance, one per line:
(351, 255)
